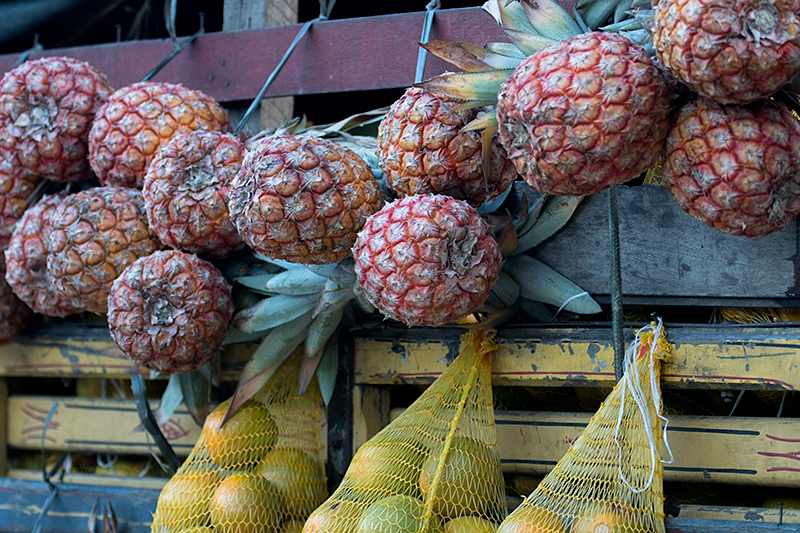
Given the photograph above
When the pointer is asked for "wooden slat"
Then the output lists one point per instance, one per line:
(338, 55)
(668, 256)
(726, 356)
(92, 425)
(76, 351)
(741, 450)
(741, 514)
(93, 480)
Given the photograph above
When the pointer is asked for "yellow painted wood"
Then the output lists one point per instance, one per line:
(370, 412)
(741, 450)
(92, 425)
(744, 514)
(94, 479)
(97, 356)
(729, 357)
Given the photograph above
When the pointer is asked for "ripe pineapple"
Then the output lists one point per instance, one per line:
(95, 234)
(736, 168)
(302, 199)
(423, 150)
(139, 119)
(46, 109)
(14, 314)
(16, 192)
(426, 260)
(26, 260)
(733, 52)
(169, 311)
(584, 114)
(186, 191)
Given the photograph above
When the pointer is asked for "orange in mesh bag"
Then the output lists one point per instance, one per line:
(611, 479)
(264, 470)
(435, 468)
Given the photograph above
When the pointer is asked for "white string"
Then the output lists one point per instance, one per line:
(631, 380)
(568, 300)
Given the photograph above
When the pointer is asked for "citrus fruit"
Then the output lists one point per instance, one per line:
(244, 439)
(183, 502)
(298, 477)
(469, 524)
(246, 503)
(395, 514)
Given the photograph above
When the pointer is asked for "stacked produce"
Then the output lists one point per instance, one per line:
(261, 471)
(435, 467)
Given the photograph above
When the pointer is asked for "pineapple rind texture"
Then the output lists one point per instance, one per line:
(426, 260)
(16, 189)
(95, 235)
(584, 114)
(735, 167)
(169, 311)
(47, 107)
(423, 150)
(302, 199)
(733, 52)
(26, 260)
(186, 191)
(139, 119)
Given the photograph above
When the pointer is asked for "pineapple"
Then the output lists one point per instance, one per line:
(426, 260)
(46, 109)
(139, 119)
(735, 167)
(186, 191)
(95, 234)
(17, 191)
(584, 114)
(26, 260)
(14, 314)
(302, 199)
(169, 311)
(733, 52)
(423, 150)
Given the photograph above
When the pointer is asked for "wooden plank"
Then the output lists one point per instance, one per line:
(3, 426)
(92, 425)
(724, 356)
(370, 412)
(740, 450)
(75, 351)
(21, 503)
(741, 514)
(337, 55)
(93, 480)
(665, 253)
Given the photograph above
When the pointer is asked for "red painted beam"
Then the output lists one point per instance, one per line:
(334, 56)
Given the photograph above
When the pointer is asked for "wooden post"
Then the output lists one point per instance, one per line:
(252, 14)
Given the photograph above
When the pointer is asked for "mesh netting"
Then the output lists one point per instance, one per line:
(264, 470)
(611, 479)
(434, 467)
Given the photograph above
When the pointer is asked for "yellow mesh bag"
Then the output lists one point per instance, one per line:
(434, 467)
(264, 470)
(611, 479)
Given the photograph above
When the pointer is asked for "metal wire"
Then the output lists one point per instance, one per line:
(430, 9)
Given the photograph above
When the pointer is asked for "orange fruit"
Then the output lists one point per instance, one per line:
(292, 526)
(385, 467)
(244, 439)
(246, 503)
(298, 477)
(471, 482)
(183, 502)
(334, 516)
(609, 518)
(470, 524)
(395, 514)
(532, 519)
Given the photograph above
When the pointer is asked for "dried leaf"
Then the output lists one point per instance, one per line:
(482, 86)
(465, 56)
(508, 240)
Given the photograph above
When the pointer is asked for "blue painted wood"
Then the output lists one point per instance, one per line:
(21, 502)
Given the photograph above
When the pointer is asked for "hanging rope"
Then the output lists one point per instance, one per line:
(616, 284)
(430, 9)
(325, 8)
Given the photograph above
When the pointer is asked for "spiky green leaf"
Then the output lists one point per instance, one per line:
(195, 386)
(598, 13)
(540, 282)
(170, 401)
(272, 312)
(256, 283)
(485, 121)
(328, 367)
(296, 281)
(550, 19)
(322, 328)
(554, 216)
(529, 43)
(509, 16)
(469, 57)
(506, 49)
(482, 86)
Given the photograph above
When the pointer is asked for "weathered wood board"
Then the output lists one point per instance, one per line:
(78, 351)
(724, 356)
(740, 450)
(666, 255)
(92, 425)
(94, 480)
